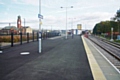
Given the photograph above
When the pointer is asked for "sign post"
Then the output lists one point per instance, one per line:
(40, 33)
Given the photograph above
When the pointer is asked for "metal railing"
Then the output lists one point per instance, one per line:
(10, 40)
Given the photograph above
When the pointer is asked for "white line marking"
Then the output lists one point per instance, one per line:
(25, 53)
(56, 37)
(1, 51)
(105, 58)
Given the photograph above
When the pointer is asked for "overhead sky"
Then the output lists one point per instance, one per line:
(85, 12)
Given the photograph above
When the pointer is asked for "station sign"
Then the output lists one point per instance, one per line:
(79, 26)
(40, 16)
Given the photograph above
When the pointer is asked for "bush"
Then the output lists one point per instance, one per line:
(6, 39)
(118, 41)
(0, 39)
(24, 38)
(16, 38)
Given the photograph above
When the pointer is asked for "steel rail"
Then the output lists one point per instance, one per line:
(114, 55)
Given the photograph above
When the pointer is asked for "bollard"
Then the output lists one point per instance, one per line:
(12, 40)
(0, 46)
(37, 36)
(33, 36)
(27, 37)
(21, 38)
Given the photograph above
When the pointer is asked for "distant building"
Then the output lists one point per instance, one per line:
(27, 29)
(16, 30)
(9, 30)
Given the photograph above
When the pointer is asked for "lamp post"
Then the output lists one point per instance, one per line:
(66, 18)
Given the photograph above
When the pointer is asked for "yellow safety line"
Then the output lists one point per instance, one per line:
(96, 71)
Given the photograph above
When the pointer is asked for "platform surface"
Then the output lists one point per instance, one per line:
(101, 67)
(60, 59)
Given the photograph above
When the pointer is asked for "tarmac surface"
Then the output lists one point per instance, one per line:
(60, 60)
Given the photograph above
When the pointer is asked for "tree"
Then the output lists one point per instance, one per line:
(117, 17)
(105, 27)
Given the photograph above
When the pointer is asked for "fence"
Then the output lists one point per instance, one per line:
(7, 40)
(12, 39)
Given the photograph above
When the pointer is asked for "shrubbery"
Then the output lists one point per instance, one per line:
(16, 38)
(118, 41)
(5, 38)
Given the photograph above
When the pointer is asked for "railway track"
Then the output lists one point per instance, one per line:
(111, 42)
(111, 48)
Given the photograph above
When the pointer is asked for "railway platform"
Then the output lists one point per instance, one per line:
(72, 59)
(101, 67)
